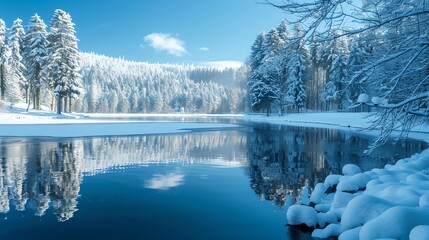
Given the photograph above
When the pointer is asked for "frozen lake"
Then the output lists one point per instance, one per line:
(207, 184)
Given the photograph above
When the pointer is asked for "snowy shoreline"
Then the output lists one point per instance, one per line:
(387, 203)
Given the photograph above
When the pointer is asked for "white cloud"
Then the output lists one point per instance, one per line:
(205, 49)
(165, 182)
(164, 42)
(223, 64)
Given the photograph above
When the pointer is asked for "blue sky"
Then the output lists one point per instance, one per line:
(165, 31)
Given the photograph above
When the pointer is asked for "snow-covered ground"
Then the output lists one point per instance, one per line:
(17, 122)
(388, 203)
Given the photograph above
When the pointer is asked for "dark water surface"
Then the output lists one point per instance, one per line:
(223, 184)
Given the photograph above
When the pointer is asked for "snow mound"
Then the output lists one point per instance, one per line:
(419, 232)
(353, 183)
(362, 209)
(317, 194)
(389, 203)
(332, 180)
(424, 200)
(396, 223)
(352, 234)
(300, 214)
(351, 169)
(330, 230)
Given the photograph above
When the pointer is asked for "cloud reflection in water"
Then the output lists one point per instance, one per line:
(165, 182)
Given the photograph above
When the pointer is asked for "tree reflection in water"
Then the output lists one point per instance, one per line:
(39, 174)
(282, 160)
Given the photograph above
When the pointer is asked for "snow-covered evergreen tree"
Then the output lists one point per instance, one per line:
(257, 53)
(297, 71)
(396, 72)
(282, 60)
(17, 82)
(255, 84)
(35, 57)
(338, 73)
(360, 52)
(272, 44)
(63, 63)
(283, 31)
(4, 49)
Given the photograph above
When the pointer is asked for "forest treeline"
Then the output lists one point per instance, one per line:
(118, 85)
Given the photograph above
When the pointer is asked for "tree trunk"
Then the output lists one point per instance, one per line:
(2, 82)
(29, 103)
(65, 104)
(70, 103)
(34, 99)
(59, 100)
(37, 99)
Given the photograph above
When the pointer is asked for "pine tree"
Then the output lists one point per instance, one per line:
(272, 44)
(35, 57)
(63, 59)
(297, 71)
(257, 52)
(282, 61)
(283, 32)
(360, 52)
(338, 74)
(17, 83)
(256, 59)
(3, 59)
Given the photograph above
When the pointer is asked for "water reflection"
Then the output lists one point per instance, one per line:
(282, 160)
(39, 174)
(165, 182)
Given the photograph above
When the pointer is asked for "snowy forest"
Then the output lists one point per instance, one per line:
(45, 68)
(290, 68)
(118, 85)
(40, 67)
(347, 57)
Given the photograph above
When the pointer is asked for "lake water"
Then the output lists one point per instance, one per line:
(217, 184)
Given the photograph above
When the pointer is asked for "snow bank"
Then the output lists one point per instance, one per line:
(396, 222)
(389, 203)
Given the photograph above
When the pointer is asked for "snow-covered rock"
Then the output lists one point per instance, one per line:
(318, 192)
(326, 218)
(419, 232)
(300, 214)
(424, 200)
(353, 183)
(362, 209)
(330, 230)
(388, 203)
(323, 207)
(396, 223)
(341, 199)
(332, 180)
(352, 234)
(351, 169)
